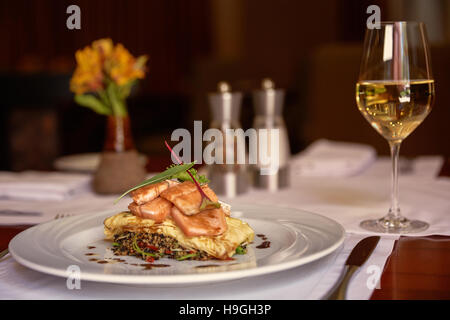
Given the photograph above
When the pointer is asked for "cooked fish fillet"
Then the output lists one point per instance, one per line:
(205, 223)
(158, 209)
(187, 198)
(150, 192)
(220, 247)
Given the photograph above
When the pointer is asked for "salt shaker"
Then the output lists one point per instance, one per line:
(268, 106)
(230, 178)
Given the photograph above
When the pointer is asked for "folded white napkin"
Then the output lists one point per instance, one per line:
(33, 185)
(331, 158)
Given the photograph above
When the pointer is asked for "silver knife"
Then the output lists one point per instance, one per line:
(355, 260)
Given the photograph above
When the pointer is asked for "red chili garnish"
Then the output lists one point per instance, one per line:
(151, 247)
(228, 258)
(168, 251)
(150, 259)
(199, 188)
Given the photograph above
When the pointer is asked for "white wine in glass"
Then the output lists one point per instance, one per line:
(395, 93)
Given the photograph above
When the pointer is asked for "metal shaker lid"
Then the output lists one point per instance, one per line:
(225, 104)
(268, 101)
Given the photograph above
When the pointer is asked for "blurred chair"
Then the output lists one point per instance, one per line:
(332, 112)
(33, 139)
(29, 115)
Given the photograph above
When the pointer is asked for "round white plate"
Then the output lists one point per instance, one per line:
(64, 246)
(83, 162)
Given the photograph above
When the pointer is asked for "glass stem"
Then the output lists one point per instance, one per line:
(395, 150)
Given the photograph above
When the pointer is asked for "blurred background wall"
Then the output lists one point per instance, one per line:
(310, 48)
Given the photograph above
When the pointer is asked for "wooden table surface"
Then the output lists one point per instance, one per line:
(418, 267)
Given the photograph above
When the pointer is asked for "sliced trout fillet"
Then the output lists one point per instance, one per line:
(206, 223)
(158, 209)
(187, 198)
(150, 192)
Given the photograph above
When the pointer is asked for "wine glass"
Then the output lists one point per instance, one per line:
(395, 93)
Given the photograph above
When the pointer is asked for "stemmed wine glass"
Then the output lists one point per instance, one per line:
(395, 93)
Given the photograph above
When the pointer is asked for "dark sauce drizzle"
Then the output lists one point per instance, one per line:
(149, 266)
(264, 245)
(207, 266)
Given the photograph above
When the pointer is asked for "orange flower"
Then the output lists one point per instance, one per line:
(123, 67)
(104, 47)
(101, 61)
(88, 75)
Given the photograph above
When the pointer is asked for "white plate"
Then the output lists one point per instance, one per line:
(83, 162)
(296, 237)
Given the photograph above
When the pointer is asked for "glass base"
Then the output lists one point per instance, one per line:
(391, 224)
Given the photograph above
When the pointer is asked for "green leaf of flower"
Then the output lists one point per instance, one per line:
(124, 90)
(117, 103)
(92, 102)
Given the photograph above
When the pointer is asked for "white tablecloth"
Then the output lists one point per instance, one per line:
(310, 281)
(346, 200)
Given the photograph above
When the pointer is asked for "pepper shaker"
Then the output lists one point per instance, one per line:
(268, 106)
(227, 179)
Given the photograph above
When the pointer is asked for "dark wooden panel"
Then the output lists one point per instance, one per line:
(173, 33)
(418, 268)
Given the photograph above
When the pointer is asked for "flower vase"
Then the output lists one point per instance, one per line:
(120, 167)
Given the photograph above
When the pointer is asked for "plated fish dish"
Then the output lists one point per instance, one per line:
(176, 215)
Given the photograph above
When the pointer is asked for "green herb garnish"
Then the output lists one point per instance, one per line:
(166, 174)
(241, 250)
(182, 172)
(139, 250)
(116, 244)
(208, 203)
(187, 256)
(184, 176)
